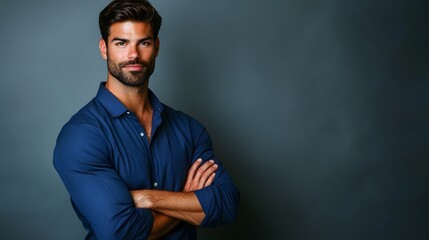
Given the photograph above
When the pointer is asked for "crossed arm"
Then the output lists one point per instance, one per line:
(104, 203)
(169, 208)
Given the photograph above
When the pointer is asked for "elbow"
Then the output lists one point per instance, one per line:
(133, 223)
(231, 208)
(224, 208)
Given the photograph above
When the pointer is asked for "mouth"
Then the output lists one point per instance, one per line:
(133, 67)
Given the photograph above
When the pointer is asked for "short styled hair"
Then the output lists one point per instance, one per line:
(128, 10)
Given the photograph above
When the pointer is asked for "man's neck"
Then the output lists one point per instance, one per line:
(136, 99)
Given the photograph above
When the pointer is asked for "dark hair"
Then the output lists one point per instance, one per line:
(128, 10)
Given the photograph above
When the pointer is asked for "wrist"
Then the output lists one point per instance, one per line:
(142, 198)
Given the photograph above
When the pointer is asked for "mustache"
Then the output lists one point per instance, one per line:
(133, 62)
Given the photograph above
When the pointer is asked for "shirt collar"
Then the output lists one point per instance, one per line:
(116, 108)
(156, 104)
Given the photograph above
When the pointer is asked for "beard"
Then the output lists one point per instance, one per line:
(131, 78)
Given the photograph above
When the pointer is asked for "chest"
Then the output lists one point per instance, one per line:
(162, 163)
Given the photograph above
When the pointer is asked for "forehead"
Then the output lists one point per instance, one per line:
(130, 29)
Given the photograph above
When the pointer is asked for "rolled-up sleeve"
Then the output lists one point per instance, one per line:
(219, 200)
(81, 157)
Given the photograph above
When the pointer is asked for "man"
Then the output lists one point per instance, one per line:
(134, 167)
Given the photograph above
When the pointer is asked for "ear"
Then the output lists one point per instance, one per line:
(156, 47)
(103, 48)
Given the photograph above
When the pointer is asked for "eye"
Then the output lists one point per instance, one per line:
(145, 43)
(120, 43)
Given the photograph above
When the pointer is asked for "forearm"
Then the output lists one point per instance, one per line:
(194, 218)
(180, 205)
(162, 224)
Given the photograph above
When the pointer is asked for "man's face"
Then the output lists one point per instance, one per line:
(130, 52)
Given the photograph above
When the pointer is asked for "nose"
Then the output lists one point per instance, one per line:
(133, 52)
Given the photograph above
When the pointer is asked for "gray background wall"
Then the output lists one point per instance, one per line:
(319, 109)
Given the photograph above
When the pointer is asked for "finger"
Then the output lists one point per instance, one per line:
(202, 169)
(210, 180)
(206, 175)
(191, 174)
(193, 169)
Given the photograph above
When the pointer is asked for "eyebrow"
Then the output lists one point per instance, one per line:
(126, 40)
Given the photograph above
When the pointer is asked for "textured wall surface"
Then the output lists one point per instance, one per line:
(319, 110)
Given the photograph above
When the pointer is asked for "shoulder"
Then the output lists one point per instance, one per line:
(89, 118)
(174, 115)
(89, 114)
(88, 121)
(82, 135)
(184, 121)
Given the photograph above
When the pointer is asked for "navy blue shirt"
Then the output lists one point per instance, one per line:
(102, 153)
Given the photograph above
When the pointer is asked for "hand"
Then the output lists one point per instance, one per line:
(200, 176)
(141, 198)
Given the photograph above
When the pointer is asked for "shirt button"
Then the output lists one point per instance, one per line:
(141, 134)
(155, 184)
(128, 113)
